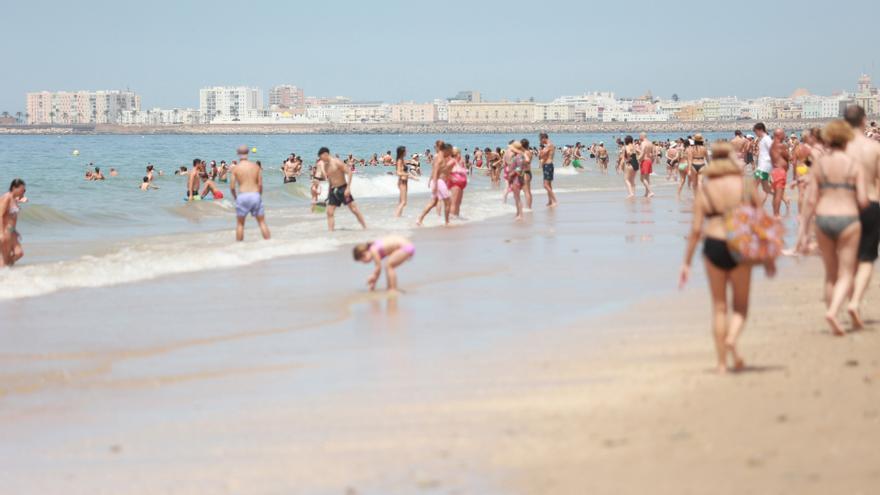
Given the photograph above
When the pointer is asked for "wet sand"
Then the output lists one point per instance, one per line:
(547, 357)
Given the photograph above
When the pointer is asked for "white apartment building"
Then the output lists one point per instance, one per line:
(554, 112)
(160, 116)
(366, 113)
(79, 107)
(230, 103)
(325, 113)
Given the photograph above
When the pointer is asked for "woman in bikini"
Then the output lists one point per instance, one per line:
(671, 161)
(513, 169)
(802, 154)
(697, 156)
(684, 167)
(402, 179)
(10, 240)
(528, 156)
(836, 193)
(722, 193)
(394, 249)
(457, 182)
(630, 166)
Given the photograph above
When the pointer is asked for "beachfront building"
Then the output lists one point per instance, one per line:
(366, 113)
(413, 112)
(314, 101)
(554, 112)
(79, 107)
(589, 106)
(230, 103)
(160, 116)
(288, 99)
(499, 112)
(442, 108)
(867, 96)
(350, 113)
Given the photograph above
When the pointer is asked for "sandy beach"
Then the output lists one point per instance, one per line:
(576, 369)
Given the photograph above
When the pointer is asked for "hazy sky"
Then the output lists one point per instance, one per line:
(402, 50)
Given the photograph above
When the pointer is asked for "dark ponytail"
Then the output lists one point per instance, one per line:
(15, 183)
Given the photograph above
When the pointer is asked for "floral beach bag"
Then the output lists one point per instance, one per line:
(753, 235)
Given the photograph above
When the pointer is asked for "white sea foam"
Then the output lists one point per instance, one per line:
(296, 232)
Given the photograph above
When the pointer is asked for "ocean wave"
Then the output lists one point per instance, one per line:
(39, 215)
(149, 260)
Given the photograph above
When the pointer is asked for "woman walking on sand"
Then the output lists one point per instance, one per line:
(722, 193)
(697, 156)
(836, 194)
(684, 168)
(402, 179)
(630, 165)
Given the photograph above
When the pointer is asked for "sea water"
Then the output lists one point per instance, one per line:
(79, 233)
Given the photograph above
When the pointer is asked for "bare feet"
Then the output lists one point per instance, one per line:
(855, 317)
(650, 195)
(836, 329)
(518, 218)
(721, 369)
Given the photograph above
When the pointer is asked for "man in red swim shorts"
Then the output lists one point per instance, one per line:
(780, 158)
(646, 162)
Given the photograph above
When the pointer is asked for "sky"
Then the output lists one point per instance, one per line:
(392, 50)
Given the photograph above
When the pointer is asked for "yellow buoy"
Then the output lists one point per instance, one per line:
(254, 149)
(75, 152)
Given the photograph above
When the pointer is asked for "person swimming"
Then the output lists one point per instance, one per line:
(396, 249)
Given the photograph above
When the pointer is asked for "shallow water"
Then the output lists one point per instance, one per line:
(93, 234)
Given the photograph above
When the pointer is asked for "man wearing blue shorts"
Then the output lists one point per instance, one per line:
(249, 200)
(545, 156)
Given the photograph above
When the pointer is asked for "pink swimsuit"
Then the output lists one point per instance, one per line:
(407, 248)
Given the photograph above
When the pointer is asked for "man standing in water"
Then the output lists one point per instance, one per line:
(646, 162)
(440, 171)
(765, 164)
(545, 156)
(780, 158)
(249, 177)
(866, 153)
(339, 176)
(193, 180)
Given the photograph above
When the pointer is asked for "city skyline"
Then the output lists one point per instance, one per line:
(390, 52)
(289, 104)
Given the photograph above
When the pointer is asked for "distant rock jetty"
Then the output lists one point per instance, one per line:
(413, 128)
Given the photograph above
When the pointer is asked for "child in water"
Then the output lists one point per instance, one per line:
(396, 248)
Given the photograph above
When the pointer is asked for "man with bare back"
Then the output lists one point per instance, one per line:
(248, 176)
(866, 153)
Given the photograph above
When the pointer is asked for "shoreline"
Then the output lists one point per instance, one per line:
(407, 128)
